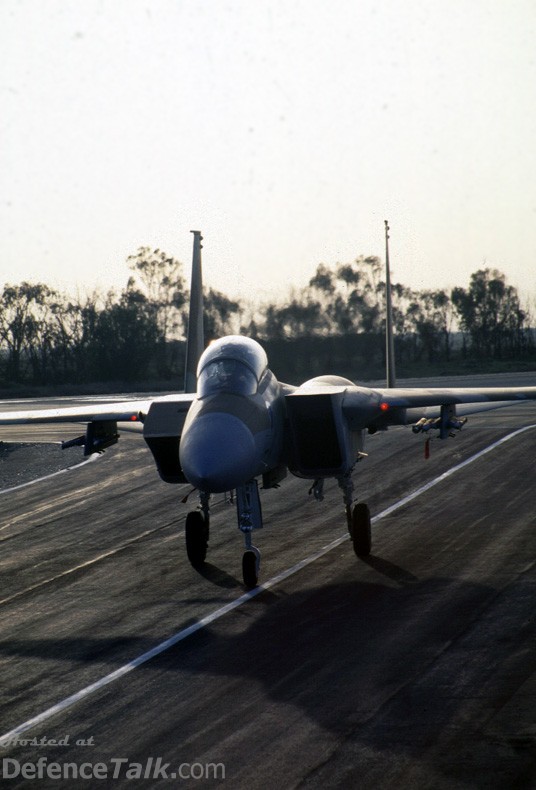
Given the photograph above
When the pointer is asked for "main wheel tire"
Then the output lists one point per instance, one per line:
(196, 532)
(361, 531)
(349, 519)
(250, 569)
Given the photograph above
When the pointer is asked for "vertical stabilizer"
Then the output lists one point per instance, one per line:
(195, 343)
(389, 340)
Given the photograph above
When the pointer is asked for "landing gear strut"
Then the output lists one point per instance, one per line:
(248, 506)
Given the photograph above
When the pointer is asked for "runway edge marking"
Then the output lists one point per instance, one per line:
(210, 618)
(92, 457)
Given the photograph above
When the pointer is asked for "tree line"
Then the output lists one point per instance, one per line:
(333, 324)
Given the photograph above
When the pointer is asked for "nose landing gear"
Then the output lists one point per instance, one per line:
(248, 506)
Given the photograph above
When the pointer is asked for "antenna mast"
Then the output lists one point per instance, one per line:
(389, 340)
(195, 342)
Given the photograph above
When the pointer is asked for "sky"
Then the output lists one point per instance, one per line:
(287, 131)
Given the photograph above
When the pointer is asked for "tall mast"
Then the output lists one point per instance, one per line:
(389, 340)
(195, 343)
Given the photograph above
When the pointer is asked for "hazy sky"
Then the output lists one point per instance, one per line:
(286, 130)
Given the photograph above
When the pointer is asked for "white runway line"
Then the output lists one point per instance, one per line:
(89, 460)
(210, 618)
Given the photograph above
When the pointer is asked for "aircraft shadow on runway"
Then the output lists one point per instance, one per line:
(382, 666)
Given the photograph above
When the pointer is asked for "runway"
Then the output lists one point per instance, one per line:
(415, 668)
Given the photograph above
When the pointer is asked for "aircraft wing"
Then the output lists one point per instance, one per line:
(118, 411)
(102, 418)
(422, 397)
(400, 406)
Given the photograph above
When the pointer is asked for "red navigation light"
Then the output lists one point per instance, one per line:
(134, 418)
(384, 406)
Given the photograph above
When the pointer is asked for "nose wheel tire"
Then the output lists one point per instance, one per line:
(360, 531)
(196, 531)
(251, 561)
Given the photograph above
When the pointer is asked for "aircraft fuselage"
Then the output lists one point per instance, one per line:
(234, 428)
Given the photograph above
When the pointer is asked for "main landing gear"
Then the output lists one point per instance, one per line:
(359, 529)
(249, 518)
(357, 518)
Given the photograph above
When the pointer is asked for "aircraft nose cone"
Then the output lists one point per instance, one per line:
(217, 452)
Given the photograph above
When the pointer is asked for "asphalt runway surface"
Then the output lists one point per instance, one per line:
(413, 668)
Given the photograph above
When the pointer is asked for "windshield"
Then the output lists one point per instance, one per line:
(227, 375)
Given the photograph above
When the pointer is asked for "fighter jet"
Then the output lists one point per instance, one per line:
(241, 427)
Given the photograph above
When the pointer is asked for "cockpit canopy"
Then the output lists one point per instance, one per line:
(231, 364)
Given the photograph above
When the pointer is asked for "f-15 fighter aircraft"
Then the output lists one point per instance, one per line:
(242, 426)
